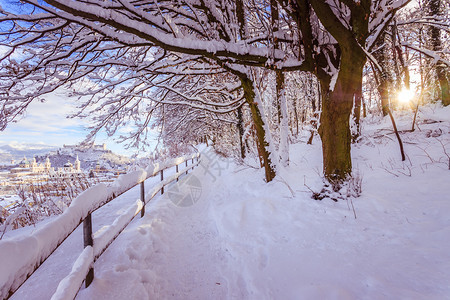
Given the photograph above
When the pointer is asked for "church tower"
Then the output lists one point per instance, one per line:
(77, 164)
(47, 164)
(34, 164)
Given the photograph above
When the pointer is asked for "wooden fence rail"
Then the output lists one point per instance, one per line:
(50, 236)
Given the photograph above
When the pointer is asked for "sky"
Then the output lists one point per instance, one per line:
(46, 123)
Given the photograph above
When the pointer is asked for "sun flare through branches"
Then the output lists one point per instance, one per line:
(405, 95)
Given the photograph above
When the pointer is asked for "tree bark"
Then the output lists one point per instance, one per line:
(262, 144)
(250, 96)
(240, 126)
(315, 117)
(443, 82)
(283, 121)
(434, 7)
(357, 110)
(281, 102)
(364, 108)
(337, 106)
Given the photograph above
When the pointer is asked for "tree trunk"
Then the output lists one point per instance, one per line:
(443, 82)
(249, 94)
(283, 120)
(357, 110)
(434, 9)
(296, 118)
(364, 107)
(240, 126)
(337, 106)
(315, 116)
(382, 82)
(262, 143)
(383, 87)
(283, 123)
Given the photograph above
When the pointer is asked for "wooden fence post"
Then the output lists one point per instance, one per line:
(177, 171)
(186, 167)
(162, 178)
(142, 199)
(192, 163)
(88, 241)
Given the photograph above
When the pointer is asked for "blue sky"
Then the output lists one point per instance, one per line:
(46, 123)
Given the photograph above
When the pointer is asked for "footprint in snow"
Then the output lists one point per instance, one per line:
(120, 268)
(142, 231)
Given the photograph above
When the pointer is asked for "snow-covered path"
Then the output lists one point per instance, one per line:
(241, 238)
(172, 252)
(244, 239)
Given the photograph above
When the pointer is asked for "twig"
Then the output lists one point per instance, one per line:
(284, 181)
(390, 172)
(354, 212)
(428, 155)
(445, 151)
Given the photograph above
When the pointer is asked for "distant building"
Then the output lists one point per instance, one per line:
(69, 170)
(92, 146)
(26, 168)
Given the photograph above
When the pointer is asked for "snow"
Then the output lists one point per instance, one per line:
(37, 247)
(107, 234)
(68, 287)
(246, 239)
(21, 255)
(126, 181)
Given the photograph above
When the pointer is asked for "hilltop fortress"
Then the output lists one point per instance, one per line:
(90, 146)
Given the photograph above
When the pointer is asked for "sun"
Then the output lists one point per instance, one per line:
(405, 95)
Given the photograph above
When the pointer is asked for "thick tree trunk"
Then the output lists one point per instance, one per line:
(263, 144)
(337, 105)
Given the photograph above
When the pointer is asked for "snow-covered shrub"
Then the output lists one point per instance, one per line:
(38, 200)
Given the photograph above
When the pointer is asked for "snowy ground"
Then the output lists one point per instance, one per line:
(234, 237)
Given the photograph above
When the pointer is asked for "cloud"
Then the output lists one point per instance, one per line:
(47, 123)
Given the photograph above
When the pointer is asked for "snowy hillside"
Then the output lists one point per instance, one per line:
(240, 238)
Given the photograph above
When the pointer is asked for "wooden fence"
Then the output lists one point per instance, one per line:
(50, 236)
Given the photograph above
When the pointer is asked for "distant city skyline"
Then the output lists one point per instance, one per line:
(46, 123)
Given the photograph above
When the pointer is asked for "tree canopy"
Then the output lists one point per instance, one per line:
(192, 61)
